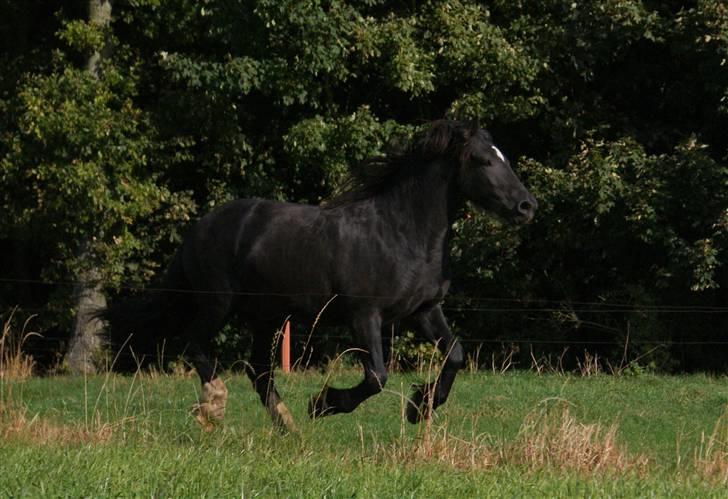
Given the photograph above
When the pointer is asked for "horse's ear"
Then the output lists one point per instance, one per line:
(472, 127)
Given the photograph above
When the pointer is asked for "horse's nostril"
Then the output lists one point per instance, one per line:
(525, 207)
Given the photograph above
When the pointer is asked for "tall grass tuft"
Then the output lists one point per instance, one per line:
(550, 440)
(14, 364)
(435, 444)
(547, 440)
(16, 425)
(711, 457)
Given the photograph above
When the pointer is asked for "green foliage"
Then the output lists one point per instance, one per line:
(75, 171)
(664, 204)
(491, 74)
(328, 149)
(82, 36)
(408, 353)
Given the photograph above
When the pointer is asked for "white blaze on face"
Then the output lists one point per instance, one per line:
(500, 154)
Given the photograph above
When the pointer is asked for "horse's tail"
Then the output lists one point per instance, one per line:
(137, 327)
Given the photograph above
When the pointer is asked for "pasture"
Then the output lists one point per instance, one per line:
(500, 434)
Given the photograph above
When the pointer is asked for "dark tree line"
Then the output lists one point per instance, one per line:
(613, 112)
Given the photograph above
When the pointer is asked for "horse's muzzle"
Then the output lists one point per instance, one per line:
(526, 209)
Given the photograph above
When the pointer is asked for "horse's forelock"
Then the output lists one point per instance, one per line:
(437, 139)
(446, 137)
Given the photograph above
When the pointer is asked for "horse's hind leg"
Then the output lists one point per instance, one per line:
(260, 372)
(433, 325)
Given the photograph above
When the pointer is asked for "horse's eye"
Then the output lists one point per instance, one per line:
(479, 160)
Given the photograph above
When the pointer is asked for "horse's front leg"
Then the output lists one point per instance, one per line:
(368, 332)
(426, 397)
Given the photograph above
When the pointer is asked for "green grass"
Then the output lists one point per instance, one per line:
(134, 437)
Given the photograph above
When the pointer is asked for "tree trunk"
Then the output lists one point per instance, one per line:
(85, 343)
(99, 14)
(88, 298)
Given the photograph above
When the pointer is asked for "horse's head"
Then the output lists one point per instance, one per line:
(486, 179)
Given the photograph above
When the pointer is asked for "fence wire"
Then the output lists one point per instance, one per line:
(455, 303)
(564, 305)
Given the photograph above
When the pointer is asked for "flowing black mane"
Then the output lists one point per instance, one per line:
(403, 159)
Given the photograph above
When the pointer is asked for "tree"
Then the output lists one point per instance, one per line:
(75, 170)
(88, 297)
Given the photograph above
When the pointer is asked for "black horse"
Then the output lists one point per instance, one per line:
(380, 250)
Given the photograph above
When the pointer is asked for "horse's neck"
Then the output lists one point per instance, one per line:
(424, 206)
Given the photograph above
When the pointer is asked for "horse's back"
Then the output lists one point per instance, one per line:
(252, 246)
(294, 257)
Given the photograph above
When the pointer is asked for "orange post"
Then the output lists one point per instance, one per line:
(286, 348)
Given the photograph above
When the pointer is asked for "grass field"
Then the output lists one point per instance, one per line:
(513, 434)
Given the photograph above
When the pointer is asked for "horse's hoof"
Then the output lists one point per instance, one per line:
(414, 407)
(201, 414)
(417, 407)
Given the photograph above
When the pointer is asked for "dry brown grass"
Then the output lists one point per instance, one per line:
(558, 441)
(15, 425)
(15, 422)
(711, 457)
(14, 364)
(437, 445)
(547, 440)
(590, 365)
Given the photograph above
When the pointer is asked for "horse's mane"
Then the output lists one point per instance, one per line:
(374, 175)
